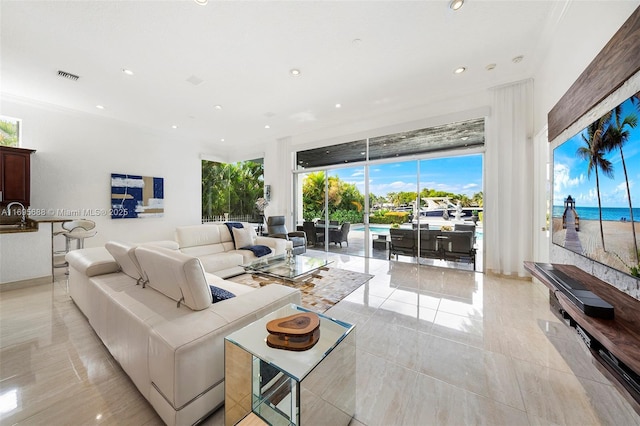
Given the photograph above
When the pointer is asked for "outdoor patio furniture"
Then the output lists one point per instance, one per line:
(314, 235)
(454, 245)
(339, 236)
(458, 246)
(277, 229)
(430, 245)
(403, 241)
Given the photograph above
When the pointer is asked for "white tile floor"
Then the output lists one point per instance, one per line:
(435, 346)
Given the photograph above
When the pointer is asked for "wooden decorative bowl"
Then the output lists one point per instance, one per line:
(297, 332)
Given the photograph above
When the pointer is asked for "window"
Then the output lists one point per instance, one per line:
(230, 190)
(10, 131)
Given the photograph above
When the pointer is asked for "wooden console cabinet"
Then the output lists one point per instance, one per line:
(15, 175)
(619, 336)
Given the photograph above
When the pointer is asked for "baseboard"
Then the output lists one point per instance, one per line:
(14, 285)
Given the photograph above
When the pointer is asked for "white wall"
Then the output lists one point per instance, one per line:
(585, 29)
(76, 154)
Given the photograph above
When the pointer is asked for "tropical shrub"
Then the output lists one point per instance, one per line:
(389, 218)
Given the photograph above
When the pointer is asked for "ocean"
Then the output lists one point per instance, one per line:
(608, 213)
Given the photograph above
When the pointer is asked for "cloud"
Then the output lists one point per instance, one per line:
(562, 179)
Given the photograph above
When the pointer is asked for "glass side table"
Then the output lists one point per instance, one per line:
(285, 387)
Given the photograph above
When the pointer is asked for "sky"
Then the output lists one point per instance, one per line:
(570, 172)
(459, 175)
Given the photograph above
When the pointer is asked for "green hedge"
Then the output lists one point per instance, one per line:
(389, 218)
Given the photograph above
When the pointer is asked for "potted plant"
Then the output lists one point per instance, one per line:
(474, 216)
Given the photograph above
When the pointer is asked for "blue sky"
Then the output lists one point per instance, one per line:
(570, 172)
(460, 175)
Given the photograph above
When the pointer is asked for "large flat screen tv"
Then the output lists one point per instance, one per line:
(596, 190)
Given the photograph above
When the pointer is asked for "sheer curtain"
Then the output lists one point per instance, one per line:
(508, 205)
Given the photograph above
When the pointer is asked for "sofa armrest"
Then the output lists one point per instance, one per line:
(281, 236)
(297, 234)
(278, 245)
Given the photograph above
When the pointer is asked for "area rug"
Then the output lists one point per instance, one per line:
(320, 290)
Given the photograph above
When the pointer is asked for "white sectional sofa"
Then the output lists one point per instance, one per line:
(152, 307)
(213, 244)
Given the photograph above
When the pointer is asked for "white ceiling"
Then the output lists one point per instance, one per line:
(243, 52)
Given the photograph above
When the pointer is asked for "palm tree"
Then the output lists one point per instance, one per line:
(594, 152)
(615, 137)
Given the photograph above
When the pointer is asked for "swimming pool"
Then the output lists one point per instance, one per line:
(377, 229)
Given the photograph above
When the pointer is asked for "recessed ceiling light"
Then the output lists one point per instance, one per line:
(218, 107)
(464, 138)
(295, 72)
(459, 70)
(201, 2)
(127, 71)
(99, 106)
(174, 126)
(222, 140)
(456, 4)
(338, 105)
(267, 126)
(518, 59)
(357, 41)
(362, 153)
(490, 67)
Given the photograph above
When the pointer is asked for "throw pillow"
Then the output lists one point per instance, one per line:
(232, 225)
(218, 294)
(242, 237)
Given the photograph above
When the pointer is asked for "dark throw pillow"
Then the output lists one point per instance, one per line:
(218, 294)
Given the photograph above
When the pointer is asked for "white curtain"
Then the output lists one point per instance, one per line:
(508, 209)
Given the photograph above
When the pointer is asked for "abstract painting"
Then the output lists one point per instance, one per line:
(136, 196)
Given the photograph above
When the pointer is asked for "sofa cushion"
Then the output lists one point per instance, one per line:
(243, 237)
(220, 261)
(176, 275)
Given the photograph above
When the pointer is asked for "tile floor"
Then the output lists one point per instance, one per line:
(435, 346)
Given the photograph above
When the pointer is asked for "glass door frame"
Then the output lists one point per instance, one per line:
(369, 163)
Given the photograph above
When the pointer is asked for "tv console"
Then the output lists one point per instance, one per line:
(588, 302)
(613, 341)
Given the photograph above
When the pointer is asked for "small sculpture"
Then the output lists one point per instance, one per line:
(297, 332)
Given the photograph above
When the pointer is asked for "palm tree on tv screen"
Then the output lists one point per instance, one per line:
(594, 152)
(616, 137)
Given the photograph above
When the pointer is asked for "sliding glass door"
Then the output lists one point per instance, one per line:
(428, 179)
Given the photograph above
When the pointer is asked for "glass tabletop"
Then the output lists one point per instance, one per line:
(287, 268)
(252, 338)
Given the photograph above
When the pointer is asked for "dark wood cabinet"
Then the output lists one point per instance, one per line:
(15, 175)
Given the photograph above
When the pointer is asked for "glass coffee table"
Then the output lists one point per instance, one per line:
(292, 268)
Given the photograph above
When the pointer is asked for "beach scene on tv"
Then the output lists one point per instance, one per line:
(596, 190)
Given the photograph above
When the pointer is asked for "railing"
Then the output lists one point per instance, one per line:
(232, 218)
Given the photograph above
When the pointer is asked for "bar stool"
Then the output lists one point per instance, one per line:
(78, 230)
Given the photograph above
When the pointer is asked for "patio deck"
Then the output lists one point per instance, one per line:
(356, 246)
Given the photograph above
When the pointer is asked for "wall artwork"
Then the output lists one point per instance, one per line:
(136, 196)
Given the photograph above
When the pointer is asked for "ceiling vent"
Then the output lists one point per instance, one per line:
(67, 75)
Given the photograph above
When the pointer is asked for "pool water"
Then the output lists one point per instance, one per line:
(373, 229)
